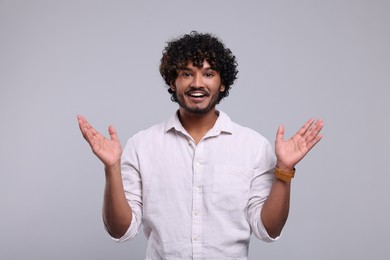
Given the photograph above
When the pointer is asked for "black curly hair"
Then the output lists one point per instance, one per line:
(196, 48)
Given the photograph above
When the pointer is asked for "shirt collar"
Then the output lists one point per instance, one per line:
(223, 124)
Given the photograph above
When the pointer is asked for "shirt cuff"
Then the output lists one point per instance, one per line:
(263, 234)
(130, 233)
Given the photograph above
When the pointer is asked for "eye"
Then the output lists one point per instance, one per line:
(209, 74)
(185, 74)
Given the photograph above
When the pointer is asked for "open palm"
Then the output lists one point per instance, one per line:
(107, 150)
(291, 151)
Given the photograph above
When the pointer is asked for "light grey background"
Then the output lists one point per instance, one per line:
(297, 59)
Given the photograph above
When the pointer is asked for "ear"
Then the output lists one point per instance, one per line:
(173, 87)
(222, 88)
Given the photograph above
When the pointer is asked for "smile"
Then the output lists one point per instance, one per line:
(197, 94)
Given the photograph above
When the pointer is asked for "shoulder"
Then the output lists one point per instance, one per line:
(147, 136)
(249, 144)
(247, 134)
(243, 138)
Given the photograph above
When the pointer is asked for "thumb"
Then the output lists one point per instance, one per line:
(280, 134)
(112, 132)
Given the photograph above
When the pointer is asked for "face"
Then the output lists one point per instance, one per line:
(197, 89)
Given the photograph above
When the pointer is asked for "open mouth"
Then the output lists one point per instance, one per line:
(197, 94)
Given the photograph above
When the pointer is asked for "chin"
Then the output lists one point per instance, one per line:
(197, 110)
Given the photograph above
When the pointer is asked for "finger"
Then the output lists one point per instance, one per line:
(315, 136)
(83, 125)
(89, 133)
(312, 133)
(112, 132)
(81, 120)
(302, 131)
(313, 142)
(280, 134)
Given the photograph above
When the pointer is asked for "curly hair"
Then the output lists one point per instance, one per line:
(196, 48)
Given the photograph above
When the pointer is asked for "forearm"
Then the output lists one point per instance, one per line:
(117, 213)
(276, 208)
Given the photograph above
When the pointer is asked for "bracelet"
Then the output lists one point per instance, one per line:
(284, 175)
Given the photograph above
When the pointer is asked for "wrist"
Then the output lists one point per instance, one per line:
(113, 167)
(284, 174)
(284, 167)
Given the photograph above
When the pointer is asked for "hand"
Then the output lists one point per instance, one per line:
(109, 151)
(290, 152)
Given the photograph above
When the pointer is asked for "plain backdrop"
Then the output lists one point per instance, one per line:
(297, 59)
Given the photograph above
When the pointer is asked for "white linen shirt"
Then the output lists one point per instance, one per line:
(197, 201)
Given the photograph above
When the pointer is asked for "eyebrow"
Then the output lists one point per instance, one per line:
(190, 69)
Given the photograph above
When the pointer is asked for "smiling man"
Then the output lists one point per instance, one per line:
(197, 89)
(199, 183)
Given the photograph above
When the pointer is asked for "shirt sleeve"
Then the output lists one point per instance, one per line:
(260, 188)
(132, 185)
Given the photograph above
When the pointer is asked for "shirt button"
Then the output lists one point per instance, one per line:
(196, 213)
(196, 188)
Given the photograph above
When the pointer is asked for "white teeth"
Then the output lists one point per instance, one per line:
(197, 94)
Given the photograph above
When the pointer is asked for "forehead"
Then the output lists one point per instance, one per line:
(192, 65)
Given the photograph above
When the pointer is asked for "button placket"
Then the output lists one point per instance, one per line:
(197, 204)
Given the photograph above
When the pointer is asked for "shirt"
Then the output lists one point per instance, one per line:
(197, 201)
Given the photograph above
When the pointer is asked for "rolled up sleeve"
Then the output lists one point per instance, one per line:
(260, 188)
(132, 185)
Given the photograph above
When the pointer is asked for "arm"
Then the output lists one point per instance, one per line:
(117, 213)
(288, 153)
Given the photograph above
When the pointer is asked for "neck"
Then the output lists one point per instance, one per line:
(197, 125)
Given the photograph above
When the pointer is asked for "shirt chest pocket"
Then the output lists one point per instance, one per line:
(231, 186)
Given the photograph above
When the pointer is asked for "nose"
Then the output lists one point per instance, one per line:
(197, 81)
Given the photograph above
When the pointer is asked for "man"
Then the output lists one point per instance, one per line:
(199, 183)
